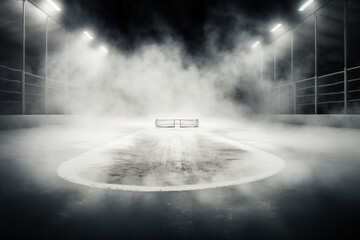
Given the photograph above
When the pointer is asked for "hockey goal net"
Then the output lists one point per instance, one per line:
(173, 123)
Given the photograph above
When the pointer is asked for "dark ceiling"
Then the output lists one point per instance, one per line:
(129, 24)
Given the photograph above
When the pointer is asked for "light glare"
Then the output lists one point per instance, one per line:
(255, 44)
(303, 7)
(104, 49)
(276, 27)
(88, 35)
(54, 5)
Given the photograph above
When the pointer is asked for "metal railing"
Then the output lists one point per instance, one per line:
(28, 85)
(324, 65)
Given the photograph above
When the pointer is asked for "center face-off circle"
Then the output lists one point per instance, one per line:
(170, 160)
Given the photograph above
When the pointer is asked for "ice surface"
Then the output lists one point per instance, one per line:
(317, 189)
(170, 160)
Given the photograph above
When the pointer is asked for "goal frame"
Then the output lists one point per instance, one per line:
(176, 122)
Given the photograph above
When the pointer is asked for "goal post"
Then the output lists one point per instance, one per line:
(174, 123)
(189, 123)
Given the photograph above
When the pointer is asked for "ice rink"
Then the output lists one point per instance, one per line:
(239, 180)
(175, 159)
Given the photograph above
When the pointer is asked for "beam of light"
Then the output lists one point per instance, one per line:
(104, 49)
(54, 5)
(255, 44)
(303, 7)
(88, 35)
(276, 27)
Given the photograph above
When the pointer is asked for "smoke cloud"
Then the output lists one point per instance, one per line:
(161, 80)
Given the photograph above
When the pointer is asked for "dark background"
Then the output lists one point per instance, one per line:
(128, 24)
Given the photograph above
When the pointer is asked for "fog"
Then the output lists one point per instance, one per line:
(314, 156)
(305, 149)
(320, 174)
(117, 97)
(161, 80)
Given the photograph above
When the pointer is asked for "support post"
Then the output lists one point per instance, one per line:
(66, 75)
(23, 99)
(262, 66)
(345, 57)
(46, 66)
(82, 85)
(274, 63)
(316, 68)
(261, 100)
(276, 92)
(292, 70)
(279, 99)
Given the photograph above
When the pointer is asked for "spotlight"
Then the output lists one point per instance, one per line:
(54, 5)
(277, 26)
(104, 49)
(255, 44)
(303, 7)
(88, 35)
